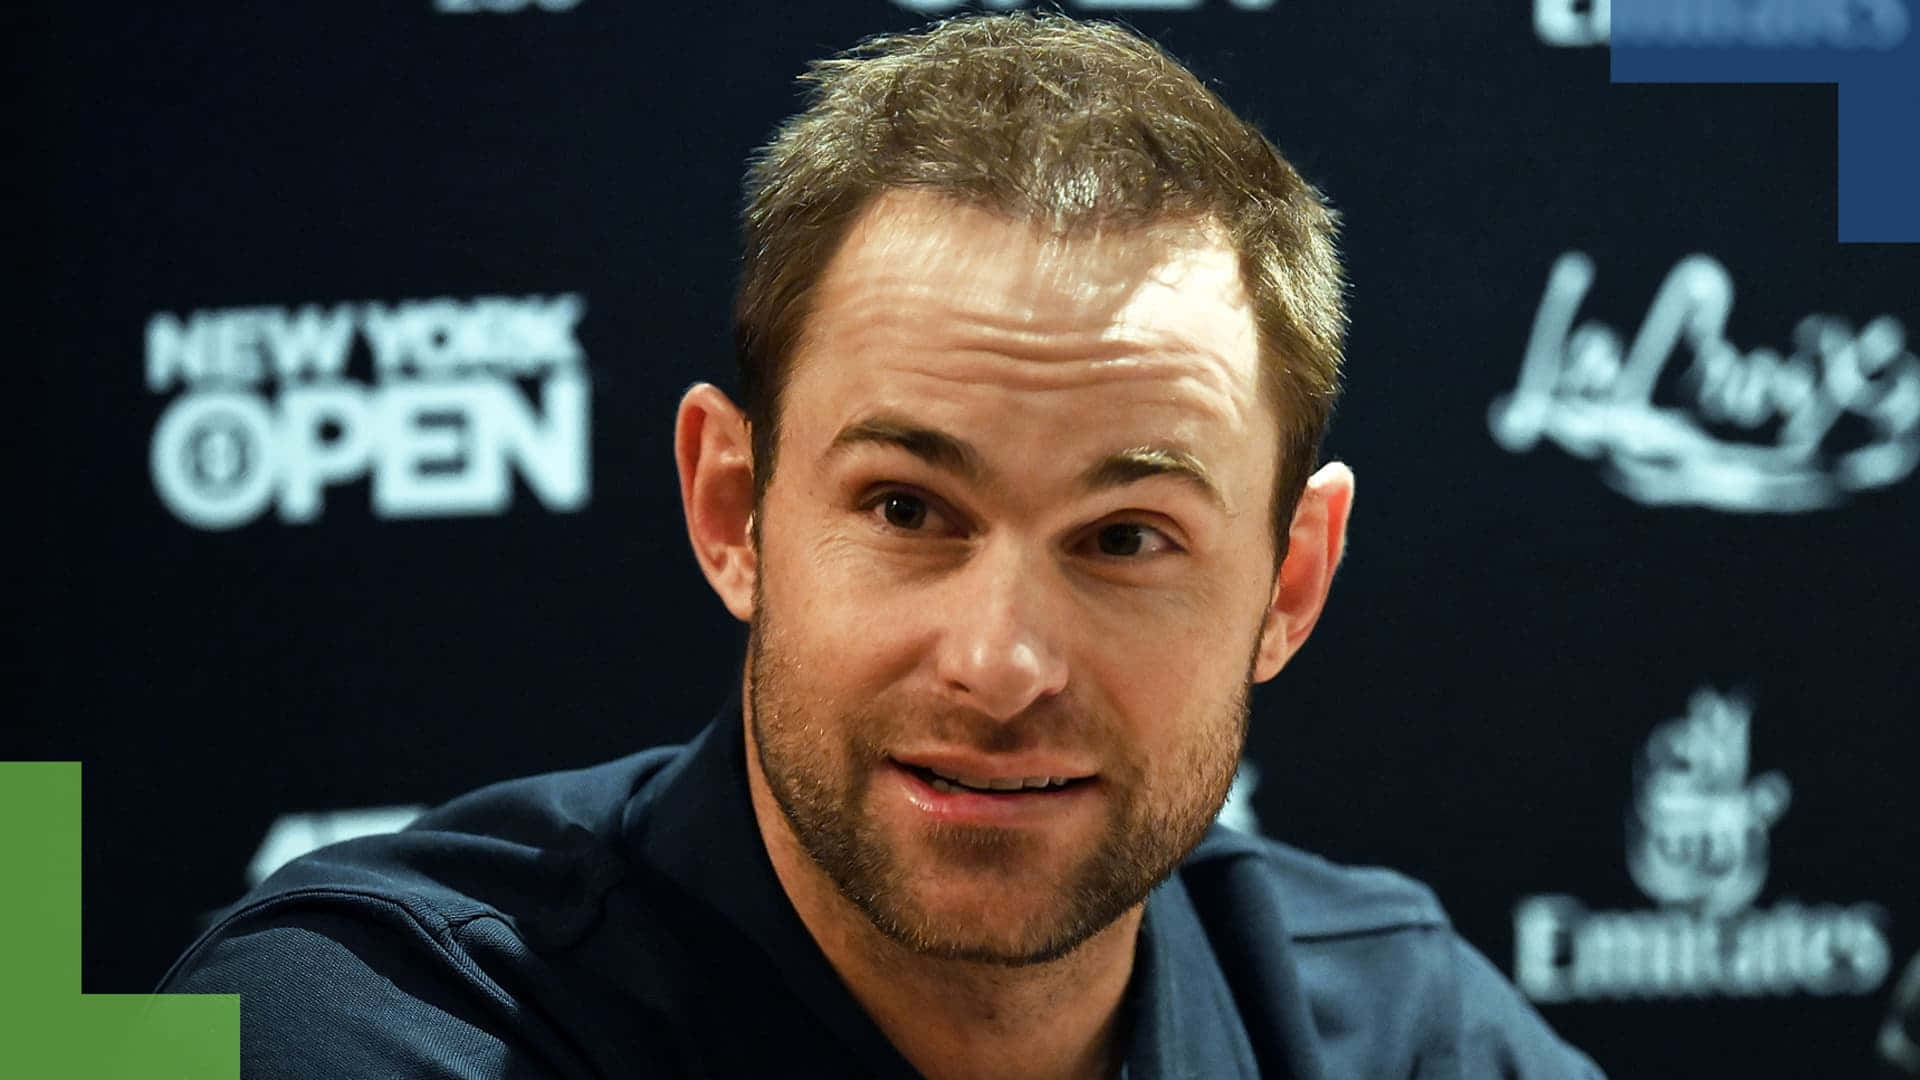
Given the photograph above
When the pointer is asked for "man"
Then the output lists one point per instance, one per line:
(1038, 341)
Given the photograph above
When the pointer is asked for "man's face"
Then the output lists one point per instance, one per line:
(1019, 533)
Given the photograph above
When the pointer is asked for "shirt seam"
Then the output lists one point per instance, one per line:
(435, 928)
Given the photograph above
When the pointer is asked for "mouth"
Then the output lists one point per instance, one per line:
(948, 783)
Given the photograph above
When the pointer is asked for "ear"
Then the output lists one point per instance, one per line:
(1315, 542)
(714, 452)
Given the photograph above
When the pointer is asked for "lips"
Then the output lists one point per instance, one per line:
(928, 795)
(988, 780)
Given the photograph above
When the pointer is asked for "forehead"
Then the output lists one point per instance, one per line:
(959, 315)
(1172, 284)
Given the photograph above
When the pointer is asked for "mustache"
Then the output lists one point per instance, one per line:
(1049, 724)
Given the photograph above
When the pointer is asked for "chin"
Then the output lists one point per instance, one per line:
(1004, 921)
(995, 945)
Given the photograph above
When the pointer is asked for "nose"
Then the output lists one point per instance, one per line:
(1000, 650)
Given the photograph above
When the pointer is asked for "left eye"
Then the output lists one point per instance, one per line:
(1127, 539)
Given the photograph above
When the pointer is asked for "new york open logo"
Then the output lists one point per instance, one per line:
(1697, 838)
(1679, 414)
(437, 404)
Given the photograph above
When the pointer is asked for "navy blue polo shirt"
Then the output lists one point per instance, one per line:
(624, 921)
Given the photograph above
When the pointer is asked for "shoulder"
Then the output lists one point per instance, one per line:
(515, 849)
(427, 951)
(1391, 988)
(1316, 899)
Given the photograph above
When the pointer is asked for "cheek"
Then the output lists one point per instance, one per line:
(832, 615)
(1178, 681)
(1176, 641)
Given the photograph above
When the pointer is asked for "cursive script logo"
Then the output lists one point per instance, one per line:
(1697, 830)
(1759, 431)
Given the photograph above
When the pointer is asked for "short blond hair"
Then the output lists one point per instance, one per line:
(1072, 126)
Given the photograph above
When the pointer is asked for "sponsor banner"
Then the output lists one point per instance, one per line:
(1090, 7)
(293, 835)
(1572, 23)
(500, 7)
(1681, 415)
(1696, 844)
(1899, 1041)
(1759, 24)
(439, 403)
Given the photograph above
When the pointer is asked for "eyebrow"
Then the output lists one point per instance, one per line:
(949, 454)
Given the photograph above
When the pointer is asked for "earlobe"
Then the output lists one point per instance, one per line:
(713, 448)
(1316, 541)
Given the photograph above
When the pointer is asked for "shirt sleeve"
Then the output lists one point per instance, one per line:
(325, 994)
(1502, 1035)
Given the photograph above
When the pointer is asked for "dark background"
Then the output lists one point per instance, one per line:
(1505, 634)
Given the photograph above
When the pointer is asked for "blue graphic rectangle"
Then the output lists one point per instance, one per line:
(1868, 47)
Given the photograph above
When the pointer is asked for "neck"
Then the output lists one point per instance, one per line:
(955, 1018)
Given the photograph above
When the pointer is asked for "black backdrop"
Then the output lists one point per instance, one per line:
(1513, 622)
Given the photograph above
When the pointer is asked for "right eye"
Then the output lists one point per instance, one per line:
(910, 512)
(904, 511)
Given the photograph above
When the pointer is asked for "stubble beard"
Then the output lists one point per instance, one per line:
(820, 769)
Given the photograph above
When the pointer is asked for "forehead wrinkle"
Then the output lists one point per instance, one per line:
(932, 306)
(920, 273)
(913, 246)
(966, 348)
(892, 304)
(1189, 387)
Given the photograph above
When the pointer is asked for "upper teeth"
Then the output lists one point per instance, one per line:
(1001, 783)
